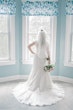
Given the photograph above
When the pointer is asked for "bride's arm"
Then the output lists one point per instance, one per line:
(30, 45)
(48, 52)
(49, 59)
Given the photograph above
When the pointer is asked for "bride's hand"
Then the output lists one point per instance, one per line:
(51, 69)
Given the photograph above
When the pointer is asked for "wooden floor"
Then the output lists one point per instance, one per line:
(8, 101)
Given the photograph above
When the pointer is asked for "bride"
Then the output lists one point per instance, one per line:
(39, 89)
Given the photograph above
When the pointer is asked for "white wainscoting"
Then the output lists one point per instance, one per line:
(25, 77)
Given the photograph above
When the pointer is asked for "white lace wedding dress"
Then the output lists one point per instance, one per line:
(39, 89)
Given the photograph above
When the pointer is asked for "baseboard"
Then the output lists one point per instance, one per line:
(65, 79)
(58, 78)
(9, 78)
(25, 77)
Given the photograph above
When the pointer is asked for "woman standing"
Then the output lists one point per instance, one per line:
(39, 89)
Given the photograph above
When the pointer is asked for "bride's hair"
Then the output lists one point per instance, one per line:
(42, 37)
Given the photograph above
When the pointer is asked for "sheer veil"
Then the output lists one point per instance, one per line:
(42, 37)
(42, 42)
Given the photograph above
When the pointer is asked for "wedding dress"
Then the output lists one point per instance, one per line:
(39, 89)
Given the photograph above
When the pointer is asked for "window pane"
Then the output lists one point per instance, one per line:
(4, 37)
(3, 23)
(3, 46)
(35, 22)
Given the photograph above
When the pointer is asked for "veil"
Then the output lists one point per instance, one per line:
(42, 42)
(42, 37)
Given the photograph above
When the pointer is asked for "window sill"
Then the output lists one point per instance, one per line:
(27, 62)
(69, 64)
(8, 62)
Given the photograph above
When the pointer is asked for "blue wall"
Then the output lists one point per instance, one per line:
(21, 69)
(64, 70)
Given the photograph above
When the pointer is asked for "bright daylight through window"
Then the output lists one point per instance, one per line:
(31, 26)
(4, 37)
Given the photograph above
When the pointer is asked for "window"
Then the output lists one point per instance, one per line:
(68, 60)
(4, 34)
(30, 27)
(7, 39)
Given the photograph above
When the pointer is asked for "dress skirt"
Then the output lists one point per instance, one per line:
(39, 89)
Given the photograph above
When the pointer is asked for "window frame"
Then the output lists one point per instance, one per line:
(24, 40)
(11, 32)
